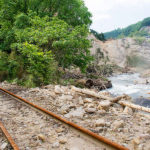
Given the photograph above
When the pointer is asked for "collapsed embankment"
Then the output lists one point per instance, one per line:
(96, 111)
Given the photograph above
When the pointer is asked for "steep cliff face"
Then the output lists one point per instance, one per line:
(126, 52)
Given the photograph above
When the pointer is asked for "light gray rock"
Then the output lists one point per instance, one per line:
(62, 140)
(55, 145)
(90, 110)
(88, 100)
(3, 146)
(117, 124)
(100, 122)
(128, 110)
(105, 104)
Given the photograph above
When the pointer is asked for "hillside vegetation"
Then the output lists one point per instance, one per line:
(132, 30)
(38, 36)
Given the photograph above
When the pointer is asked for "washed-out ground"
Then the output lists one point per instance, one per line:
(32, 130)
(125, 126)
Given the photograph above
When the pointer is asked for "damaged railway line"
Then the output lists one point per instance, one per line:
(100, 142)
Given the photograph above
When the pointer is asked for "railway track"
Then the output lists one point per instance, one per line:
(9, 138)
(99, 141)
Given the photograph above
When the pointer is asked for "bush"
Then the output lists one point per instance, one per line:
(139, 40)
(39, 67)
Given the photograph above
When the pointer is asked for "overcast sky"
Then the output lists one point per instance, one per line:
(111, 14)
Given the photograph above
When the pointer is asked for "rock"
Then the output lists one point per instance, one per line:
(128, 110)
(88, 100)
(55, 145)
(79, 112)
(136, 140)
(90, 110)
(58, 130)
(66, 97)
(81, 101)
(3, 146)
(62, 140)
(117, 124)
(90, 106)
(41, 137)
(100, 122)
(58, 90)
(118, 106)
(101, 112)
(105, 104)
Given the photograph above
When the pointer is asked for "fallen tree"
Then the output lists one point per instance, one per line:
(98, 95)
(134, 106)
(112, 100)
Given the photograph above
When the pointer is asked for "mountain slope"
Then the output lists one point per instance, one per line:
(132, 30)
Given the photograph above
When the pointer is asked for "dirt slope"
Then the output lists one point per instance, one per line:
(131, 52)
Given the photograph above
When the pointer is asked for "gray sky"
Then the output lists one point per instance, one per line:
(111, 14)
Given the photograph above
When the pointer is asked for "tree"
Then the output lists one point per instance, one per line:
(37, 36)
(73, 12)
(99, 36)
(69, 45)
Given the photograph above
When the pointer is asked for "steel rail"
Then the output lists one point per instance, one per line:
(83, 130)
(9, 138)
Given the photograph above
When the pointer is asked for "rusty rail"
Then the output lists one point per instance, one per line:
(85, 131)
(9, 138)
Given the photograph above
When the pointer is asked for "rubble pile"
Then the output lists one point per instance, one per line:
(97, 111)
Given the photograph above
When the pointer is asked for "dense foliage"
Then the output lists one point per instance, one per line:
(99, 36)
(132, 30)
(38, 36)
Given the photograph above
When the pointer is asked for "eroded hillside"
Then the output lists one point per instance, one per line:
(126, 52)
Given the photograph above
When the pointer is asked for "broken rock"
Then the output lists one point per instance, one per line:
(90, 110)
(117, 124)
(105, 104)
(3, 146)
(55, 145)
(100, 122)
(128, 110)
(62, 140)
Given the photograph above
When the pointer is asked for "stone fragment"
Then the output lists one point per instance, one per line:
(90, 105)
(100, 122)
(62, 140)
(58, 130)
(136, 140)
(41, 137)
(105, 104)
(90, 110)
(79, 112)
(55, 145)
(101, 112)
(66, 97)
(58, 90)
(88, 100)
(3, 146)
(117, 124)
(128, 110)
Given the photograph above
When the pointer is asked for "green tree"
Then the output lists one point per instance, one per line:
(38, 35)
(69, 45)
(99, 36)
